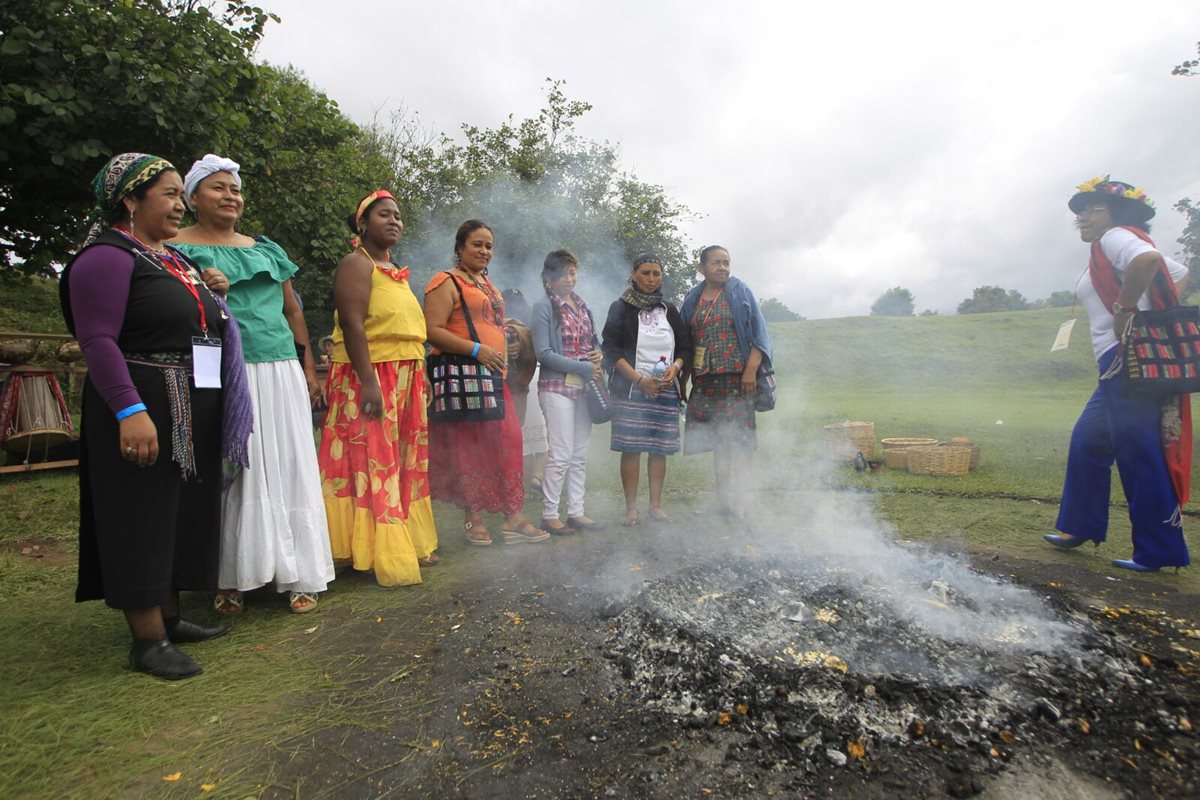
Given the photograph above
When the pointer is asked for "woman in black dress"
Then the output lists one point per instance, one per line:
(165, 398)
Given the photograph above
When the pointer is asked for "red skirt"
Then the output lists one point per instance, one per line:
(477, 466)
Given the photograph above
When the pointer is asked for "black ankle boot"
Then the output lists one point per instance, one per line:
(158, 657)
(179, 630)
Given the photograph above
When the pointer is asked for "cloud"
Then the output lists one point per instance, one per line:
(837, 150)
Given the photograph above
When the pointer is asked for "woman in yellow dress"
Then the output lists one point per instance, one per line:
(374, 454)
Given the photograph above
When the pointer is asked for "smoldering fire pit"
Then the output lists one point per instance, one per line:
(903, 670)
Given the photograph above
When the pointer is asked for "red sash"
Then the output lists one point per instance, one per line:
(1162, 294)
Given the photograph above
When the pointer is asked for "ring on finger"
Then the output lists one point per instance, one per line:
(128, 451)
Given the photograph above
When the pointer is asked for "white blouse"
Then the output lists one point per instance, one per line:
(1120, 247)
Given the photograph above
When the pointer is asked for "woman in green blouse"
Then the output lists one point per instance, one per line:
(273, 525)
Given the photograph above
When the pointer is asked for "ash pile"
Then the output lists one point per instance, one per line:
(931, 675)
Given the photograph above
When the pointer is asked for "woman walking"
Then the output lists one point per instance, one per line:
(1149, 437)
(374, 453)
(647, 346)
(273, 524)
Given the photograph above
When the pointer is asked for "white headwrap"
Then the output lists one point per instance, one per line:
(209, 165)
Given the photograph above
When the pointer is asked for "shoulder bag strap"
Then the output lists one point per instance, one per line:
(466, 310)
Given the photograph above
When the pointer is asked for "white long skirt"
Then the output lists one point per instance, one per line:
(273, 525)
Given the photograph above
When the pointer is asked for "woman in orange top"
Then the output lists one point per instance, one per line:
(476, 465)
(374, 453)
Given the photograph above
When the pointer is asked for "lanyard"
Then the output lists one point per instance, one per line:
(175, 268)
(711, 308)
(180, 272)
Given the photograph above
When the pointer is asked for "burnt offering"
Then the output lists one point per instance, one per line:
(834, 672)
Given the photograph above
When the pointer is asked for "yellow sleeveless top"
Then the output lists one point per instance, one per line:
(395, 324)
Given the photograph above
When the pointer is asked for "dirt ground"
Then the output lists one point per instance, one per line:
(498, 678)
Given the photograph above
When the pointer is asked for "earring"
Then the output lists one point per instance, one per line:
(131, 222)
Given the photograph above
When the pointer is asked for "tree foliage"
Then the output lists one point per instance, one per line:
(1190, 67)
(1190, 240)
(81, 80)
(1063, 298)
(304, 167)
(993, 298)
(774, 310)
(542, 187)
(895, 302)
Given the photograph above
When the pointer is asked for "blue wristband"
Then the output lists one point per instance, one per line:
(130, 411)
(475, 351)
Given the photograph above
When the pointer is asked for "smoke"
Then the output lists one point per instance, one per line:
(527, 223)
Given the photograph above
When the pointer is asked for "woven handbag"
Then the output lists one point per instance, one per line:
(1161, 351)
(462, 389)
(600, 407)
(764, 391)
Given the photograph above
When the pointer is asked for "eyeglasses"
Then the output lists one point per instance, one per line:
(1092, 211)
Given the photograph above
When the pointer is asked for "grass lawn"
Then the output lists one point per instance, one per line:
(78, 725)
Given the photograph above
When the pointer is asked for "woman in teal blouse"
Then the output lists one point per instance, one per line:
(273, 525)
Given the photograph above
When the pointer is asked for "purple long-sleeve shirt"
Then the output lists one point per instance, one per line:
(99, 290)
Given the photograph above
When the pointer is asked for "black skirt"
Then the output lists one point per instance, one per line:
(146, 532)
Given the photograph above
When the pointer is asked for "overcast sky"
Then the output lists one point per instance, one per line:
(837, 149)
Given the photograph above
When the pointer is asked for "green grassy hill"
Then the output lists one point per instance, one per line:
(30, 305)
(989, 377)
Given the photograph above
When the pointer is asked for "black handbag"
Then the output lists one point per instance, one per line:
(462, 389)
(1161, 351)
(600, 407)
(764, 391)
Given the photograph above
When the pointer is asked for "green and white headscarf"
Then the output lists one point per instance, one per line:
(121, 175)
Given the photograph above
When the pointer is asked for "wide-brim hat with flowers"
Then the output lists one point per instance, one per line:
(1116, 193)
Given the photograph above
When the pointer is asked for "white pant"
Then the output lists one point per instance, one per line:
(568, 432)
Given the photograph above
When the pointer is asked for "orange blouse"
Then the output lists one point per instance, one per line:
(482, 313)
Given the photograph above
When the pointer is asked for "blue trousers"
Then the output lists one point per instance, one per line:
(1122, 425)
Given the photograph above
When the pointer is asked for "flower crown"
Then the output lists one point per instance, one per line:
(1103, 185)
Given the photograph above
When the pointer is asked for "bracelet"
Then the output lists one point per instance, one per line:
(475, 351)
(129, 411)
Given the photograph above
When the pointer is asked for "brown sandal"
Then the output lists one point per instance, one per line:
(430, 560)
(477, 534)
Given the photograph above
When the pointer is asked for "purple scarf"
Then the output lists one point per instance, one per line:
(238, 413)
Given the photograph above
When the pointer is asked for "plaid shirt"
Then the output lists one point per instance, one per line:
(577, 337)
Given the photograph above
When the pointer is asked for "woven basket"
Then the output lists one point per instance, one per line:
(973, 447)
(895, 458)
(943, 462)
(911, 441)
(841, 441)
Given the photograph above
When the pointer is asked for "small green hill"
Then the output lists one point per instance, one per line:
(29, 305)
(988, 377)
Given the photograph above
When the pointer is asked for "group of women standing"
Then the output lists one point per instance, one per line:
(198, 331)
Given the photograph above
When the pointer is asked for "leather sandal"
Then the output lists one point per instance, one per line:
(430, 560)
(477, 534)
(525, 533)
(229, 601)
(302, 602)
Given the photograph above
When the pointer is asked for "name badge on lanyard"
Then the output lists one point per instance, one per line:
(206, 362)
(1064, 336)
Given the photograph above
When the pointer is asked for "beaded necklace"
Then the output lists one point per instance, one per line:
(493, 296)
(179, 269)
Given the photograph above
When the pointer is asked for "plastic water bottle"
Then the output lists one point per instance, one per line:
(659, 369)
